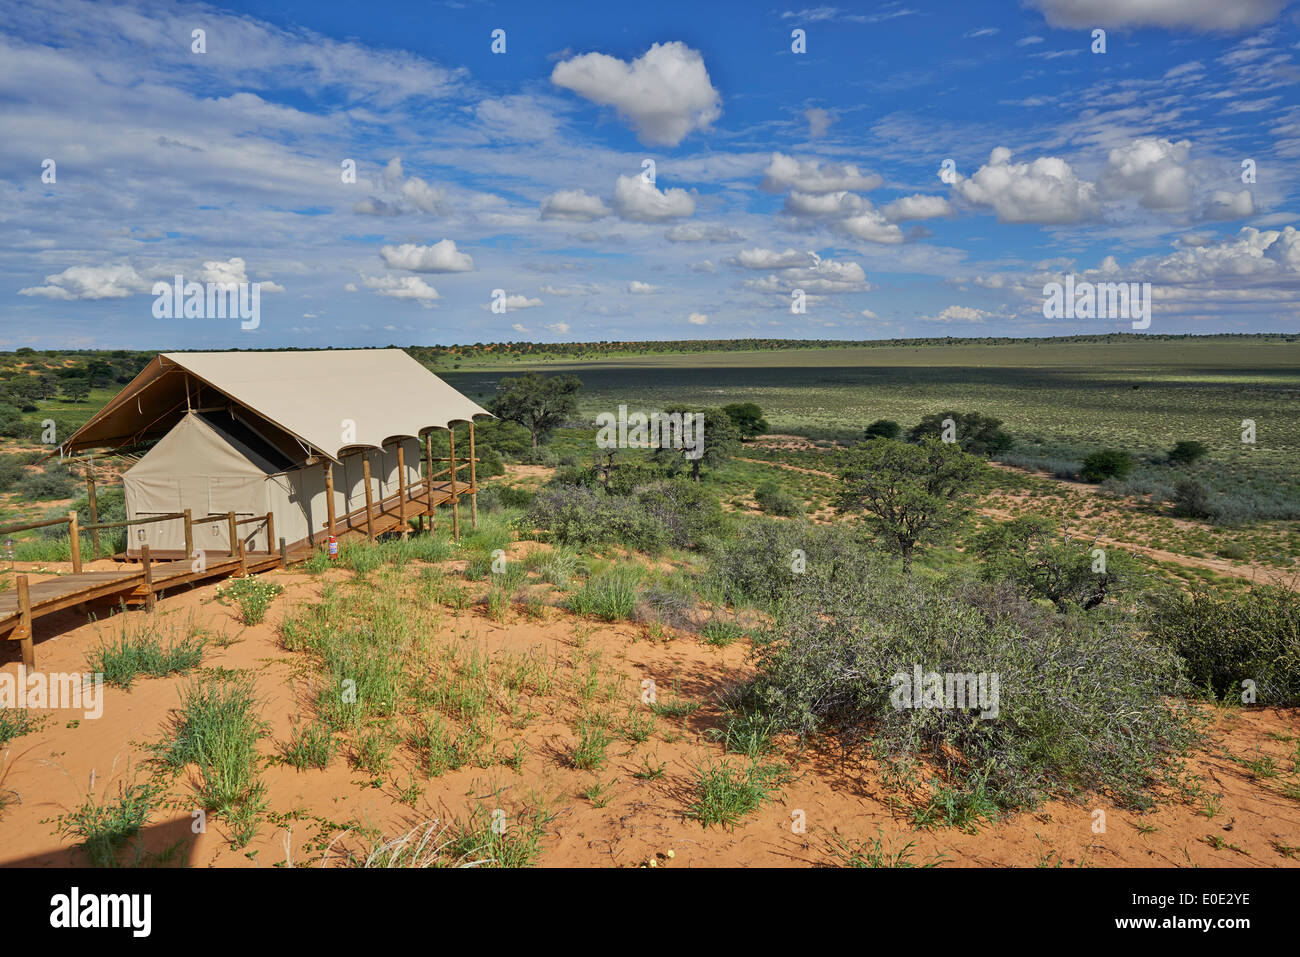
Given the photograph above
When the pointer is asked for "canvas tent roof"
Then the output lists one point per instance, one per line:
(195, 448)
(305, 395)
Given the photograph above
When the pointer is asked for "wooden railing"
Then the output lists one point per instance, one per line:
(75, 528)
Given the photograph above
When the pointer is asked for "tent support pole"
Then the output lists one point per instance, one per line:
(428, 477)
(24, 629)
(370, 508)
(234, 532)
(455, 501)
(147, 564)
(473, 482)
(74, 542)
(94, 506)
(189, 535)
(329, 500)
(401, 487)
(270, 533)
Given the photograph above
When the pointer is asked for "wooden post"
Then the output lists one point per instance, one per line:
(147, 564)
(428, 477)
(329, 501)
(243, 560)
(455, 502)
(284, 554)
(401, 487)
(234, 532)
(370, 513)
(473, 482)
(94, 506)
(270, 533)
(189, 535)
(25, 623)
(74, 539)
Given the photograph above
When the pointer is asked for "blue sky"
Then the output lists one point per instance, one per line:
(524, 171)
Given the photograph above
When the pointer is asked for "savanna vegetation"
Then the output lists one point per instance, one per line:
(919, 510)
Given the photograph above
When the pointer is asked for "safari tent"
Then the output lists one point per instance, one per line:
(256, 447)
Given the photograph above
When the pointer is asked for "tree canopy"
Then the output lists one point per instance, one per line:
(910, 493)
(972, 432)
(538, 403)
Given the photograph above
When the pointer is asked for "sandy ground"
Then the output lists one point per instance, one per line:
(314, 814)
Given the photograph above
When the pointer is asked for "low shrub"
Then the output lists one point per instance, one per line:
(1187, 451)
(1081, 702)
(1106, 464)
(765, 561)
(1230, 638)
(773, 499)
(1191, 499)
(253, 595)
(659, 515)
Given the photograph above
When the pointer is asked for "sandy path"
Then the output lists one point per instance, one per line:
(1256, 573)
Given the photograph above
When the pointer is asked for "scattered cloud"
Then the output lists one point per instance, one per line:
(1197, 15)
(637, 200)
(440, 257)
(664, 95)
(574, 205)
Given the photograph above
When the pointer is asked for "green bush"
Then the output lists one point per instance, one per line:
(54, 482)
(579, 516)
(253, 596)
(884, 429)
(1042, 564)
(1187, 451)
(765, 561)
(661, 514)
(747, 418)
(495, 497)
(1082, 702)
(1191, 499)
(1234, 637)
(1106, 464)
(974, 433)
(489, 463)
(773, 499)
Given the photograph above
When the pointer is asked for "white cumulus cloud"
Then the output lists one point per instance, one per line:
(664, 94)
(814, 176)
(1044, 191)
(639, 201)
(440, 257)
(402, 287)
(574, 205)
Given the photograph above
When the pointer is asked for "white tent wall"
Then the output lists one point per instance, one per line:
(298, 497)
(193, 467)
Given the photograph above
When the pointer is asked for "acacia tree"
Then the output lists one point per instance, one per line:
(909, 493)
(1067, 571)
(720, 442)
(538, 403)
(975, 433)
(748, 419)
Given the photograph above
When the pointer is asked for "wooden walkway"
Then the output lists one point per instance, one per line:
(142, 584)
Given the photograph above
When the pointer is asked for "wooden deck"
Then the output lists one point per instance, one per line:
(142, 583)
